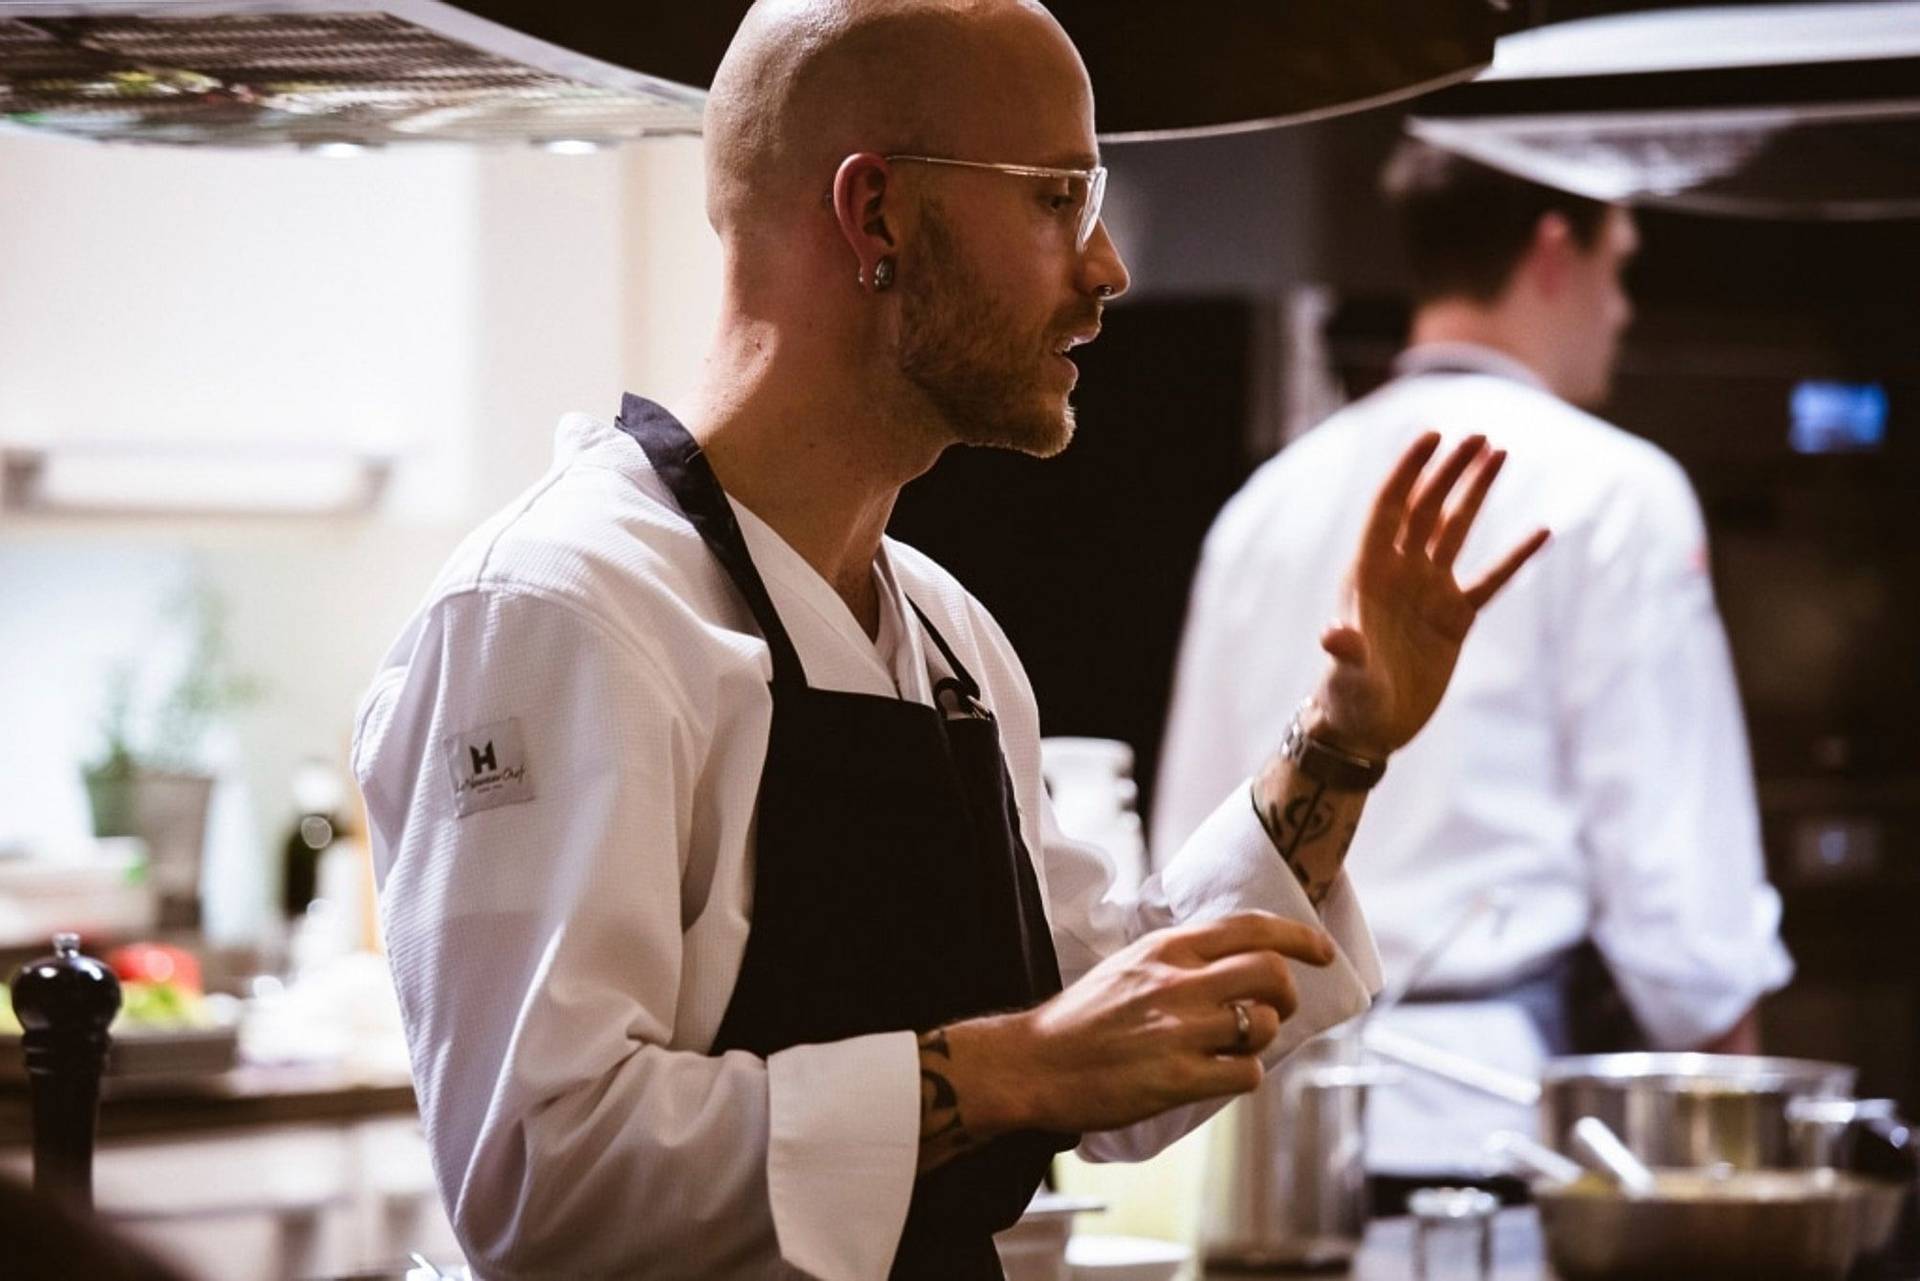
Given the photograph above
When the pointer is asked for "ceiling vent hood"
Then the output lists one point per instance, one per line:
(324, 75)
(342, 73)
(1802, 111)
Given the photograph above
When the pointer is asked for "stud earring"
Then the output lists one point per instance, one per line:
(883, 275)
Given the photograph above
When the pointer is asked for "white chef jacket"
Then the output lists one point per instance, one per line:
(1589, 755)
(565, 944)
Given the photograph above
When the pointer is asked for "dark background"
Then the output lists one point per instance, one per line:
(1085, 559)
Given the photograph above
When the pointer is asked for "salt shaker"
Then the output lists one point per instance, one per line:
(1452, 1234)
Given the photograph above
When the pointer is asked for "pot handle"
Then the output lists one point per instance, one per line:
(1861, 1136)
(1415, 1053)
(1884, 1147)
(1514, 1151)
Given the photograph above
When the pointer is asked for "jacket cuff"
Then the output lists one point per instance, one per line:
(842, 1151)
(1230, 866)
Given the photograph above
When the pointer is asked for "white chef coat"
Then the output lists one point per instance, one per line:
(1589, 755)
(563, 960)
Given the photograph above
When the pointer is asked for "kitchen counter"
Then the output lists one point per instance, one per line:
(1387, 1252)
(238, 1099)
(1519, 1253)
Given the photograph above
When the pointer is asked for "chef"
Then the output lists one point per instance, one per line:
(731, 928)
(1590, 760)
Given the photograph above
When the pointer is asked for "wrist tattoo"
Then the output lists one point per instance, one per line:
(943, 1132)
(1304, 819)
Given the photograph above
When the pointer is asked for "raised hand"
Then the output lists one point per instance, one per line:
(1405, 616)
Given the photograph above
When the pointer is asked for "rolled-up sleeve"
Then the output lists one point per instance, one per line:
(537, 948)
(1657, 752)
(1228, 865)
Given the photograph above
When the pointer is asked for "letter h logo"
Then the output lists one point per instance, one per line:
(483, 762)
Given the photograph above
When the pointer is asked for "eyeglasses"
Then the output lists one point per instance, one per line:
(1085, 190)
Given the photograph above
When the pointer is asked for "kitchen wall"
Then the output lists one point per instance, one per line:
(441, 305)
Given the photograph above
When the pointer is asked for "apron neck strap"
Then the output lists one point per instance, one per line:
(961, 678)
(679, 461)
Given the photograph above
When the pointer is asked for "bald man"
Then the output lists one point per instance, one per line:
(731, 927)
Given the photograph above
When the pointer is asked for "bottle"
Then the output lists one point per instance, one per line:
(1090, 782)
(318, 795)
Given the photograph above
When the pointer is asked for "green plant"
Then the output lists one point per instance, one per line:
(206, 685)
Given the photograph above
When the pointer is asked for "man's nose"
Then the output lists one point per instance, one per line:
(1102, 272)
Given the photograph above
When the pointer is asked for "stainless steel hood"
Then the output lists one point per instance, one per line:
(313, 73)
(252, 73)
(1803, 111)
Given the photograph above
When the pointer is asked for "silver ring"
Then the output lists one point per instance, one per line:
(1242, 1027)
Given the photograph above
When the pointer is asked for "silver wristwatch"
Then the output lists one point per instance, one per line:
(1324, 763)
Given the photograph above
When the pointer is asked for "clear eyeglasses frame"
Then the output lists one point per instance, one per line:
(1088, 187)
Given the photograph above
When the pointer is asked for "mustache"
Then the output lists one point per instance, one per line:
(1079, 320)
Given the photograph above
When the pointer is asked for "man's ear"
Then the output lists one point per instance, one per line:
(1549, 258)
(860, 191)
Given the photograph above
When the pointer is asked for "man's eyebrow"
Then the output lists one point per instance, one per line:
(1078, 160)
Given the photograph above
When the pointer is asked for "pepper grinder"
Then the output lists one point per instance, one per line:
(64, 1003)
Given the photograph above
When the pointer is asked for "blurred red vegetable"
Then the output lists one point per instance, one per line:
(156, 963)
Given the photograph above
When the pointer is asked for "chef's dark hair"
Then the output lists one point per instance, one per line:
(1465, 226)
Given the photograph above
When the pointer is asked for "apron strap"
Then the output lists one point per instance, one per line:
(679, 461)
(961, 684)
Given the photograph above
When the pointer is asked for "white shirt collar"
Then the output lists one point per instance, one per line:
(895, 655)
(896, 658)
(901, 641)
(1429, 357)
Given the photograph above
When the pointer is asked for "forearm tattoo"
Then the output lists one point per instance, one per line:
(1308, 828)
(943, 1131)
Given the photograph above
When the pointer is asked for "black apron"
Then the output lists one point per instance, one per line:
(1572, 998)
(891, 887)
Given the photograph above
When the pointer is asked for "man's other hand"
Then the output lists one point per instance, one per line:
(1149, 1028)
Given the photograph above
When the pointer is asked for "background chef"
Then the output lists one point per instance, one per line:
(710, 824)
(1590, 760)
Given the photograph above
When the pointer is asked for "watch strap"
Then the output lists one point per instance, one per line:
(1326, 764)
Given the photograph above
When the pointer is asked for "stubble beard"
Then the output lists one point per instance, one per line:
(968, 358)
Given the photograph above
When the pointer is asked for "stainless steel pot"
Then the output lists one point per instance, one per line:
(1700, 1110)
(1286, 1177)
(1784, 1225)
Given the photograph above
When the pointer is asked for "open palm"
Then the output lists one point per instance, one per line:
(1404, 617)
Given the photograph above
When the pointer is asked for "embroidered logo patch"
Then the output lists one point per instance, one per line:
(488, 767)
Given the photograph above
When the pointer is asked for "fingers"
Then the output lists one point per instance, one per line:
(1254, 932)
(1390, 504)
(1218, 1074)
(1345, 644)
(1219, 1031)
(1249, 976)
(1459, 521)
(1432, 499)
(1496, 578)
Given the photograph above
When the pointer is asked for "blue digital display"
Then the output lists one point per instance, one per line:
(1837, 418)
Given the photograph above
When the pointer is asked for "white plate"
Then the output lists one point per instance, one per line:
(1101, 1258)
